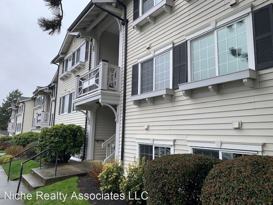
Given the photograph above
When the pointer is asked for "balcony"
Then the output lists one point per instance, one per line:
(41, 120)
(98, 85)
(11, 128)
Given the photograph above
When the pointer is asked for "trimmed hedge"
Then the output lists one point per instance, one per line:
(176, 179)
(244, 180)
(25, 138)
(67, 140)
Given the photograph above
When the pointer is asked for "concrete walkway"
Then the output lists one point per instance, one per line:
(9, 188)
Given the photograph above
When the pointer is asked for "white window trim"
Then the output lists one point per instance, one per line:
(255, 148)
(156, 143)
(70, 54)
(157, 52)
(234, 151)
(72, 105)
(214, 26)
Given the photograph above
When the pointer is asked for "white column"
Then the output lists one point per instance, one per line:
(91, 126)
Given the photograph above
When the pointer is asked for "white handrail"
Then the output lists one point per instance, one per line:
(108, 141)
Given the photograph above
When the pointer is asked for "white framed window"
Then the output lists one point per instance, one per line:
(151, 152)
(66, 103)
(155, 73)
(223, 154)
(225, 49)
(147, 5)
(79, 55)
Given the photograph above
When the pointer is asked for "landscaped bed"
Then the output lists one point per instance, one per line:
(16, 166)
(67, 186)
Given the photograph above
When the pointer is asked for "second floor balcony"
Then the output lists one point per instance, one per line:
(11, 128)
(99, 85)
(41, 120)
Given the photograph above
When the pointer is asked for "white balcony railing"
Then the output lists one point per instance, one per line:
(41, 120)
(11, 127)
(104, 77)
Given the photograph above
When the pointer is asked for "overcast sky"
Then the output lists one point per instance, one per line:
(25, 50)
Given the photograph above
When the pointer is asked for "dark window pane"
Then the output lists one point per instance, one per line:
(207, 152)
(227, 156)
(147, 76)
(146, 151)
(162, 151)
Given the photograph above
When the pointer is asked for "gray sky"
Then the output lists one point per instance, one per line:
(25, 50)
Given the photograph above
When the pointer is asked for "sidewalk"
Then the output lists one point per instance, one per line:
(9, 187)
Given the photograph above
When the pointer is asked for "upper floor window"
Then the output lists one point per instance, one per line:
(148, 4)
(79, 55)
(66, 103)
(225, 50)
(39, 100)
(155, 73)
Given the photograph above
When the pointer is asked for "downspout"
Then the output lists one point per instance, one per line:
(23, 121)
(86, 113)
(124, 21)
(56, 93)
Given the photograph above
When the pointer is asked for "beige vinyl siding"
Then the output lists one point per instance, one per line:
(67, 86)
(28, 116)
(206, 116)
(105, 128)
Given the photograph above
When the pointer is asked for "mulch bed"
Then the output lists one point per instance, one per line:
(89, 185)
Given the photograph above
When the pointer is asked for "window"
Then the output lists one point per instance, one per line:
(220, 154)
(79, 55)
(225, 50)
(66, 104)
(155, 73)
(39, 100)
(150, 152)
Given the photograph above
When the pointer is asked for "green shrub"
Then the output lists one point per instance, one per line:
(244, 180)
(111, 177)
(25, 138)
(67, 140)
(5, 142)
(5, 159)
(14, 150)
(176, 179)
(134, 182)
(32, 151)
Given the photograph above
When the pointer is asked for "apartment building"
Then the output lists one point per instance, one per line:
(89, 80)
(36, 112)
(200, 77)
(21, 116)
(44, 105)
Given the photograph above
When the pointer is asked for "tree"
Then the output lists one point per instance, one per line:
(5, 112)
(54, 24)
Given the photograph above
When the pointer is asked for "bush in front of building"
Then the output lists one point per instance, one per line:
(66, 140)
(25, 138)
(133, 183)
(244, 180)
(5, 159)
(111, 177)
(14, 150)
(176, 179)
(5, 142)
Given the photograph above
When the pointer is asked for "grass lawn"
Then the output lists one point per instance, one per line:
(16, 166)
(67, 186)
